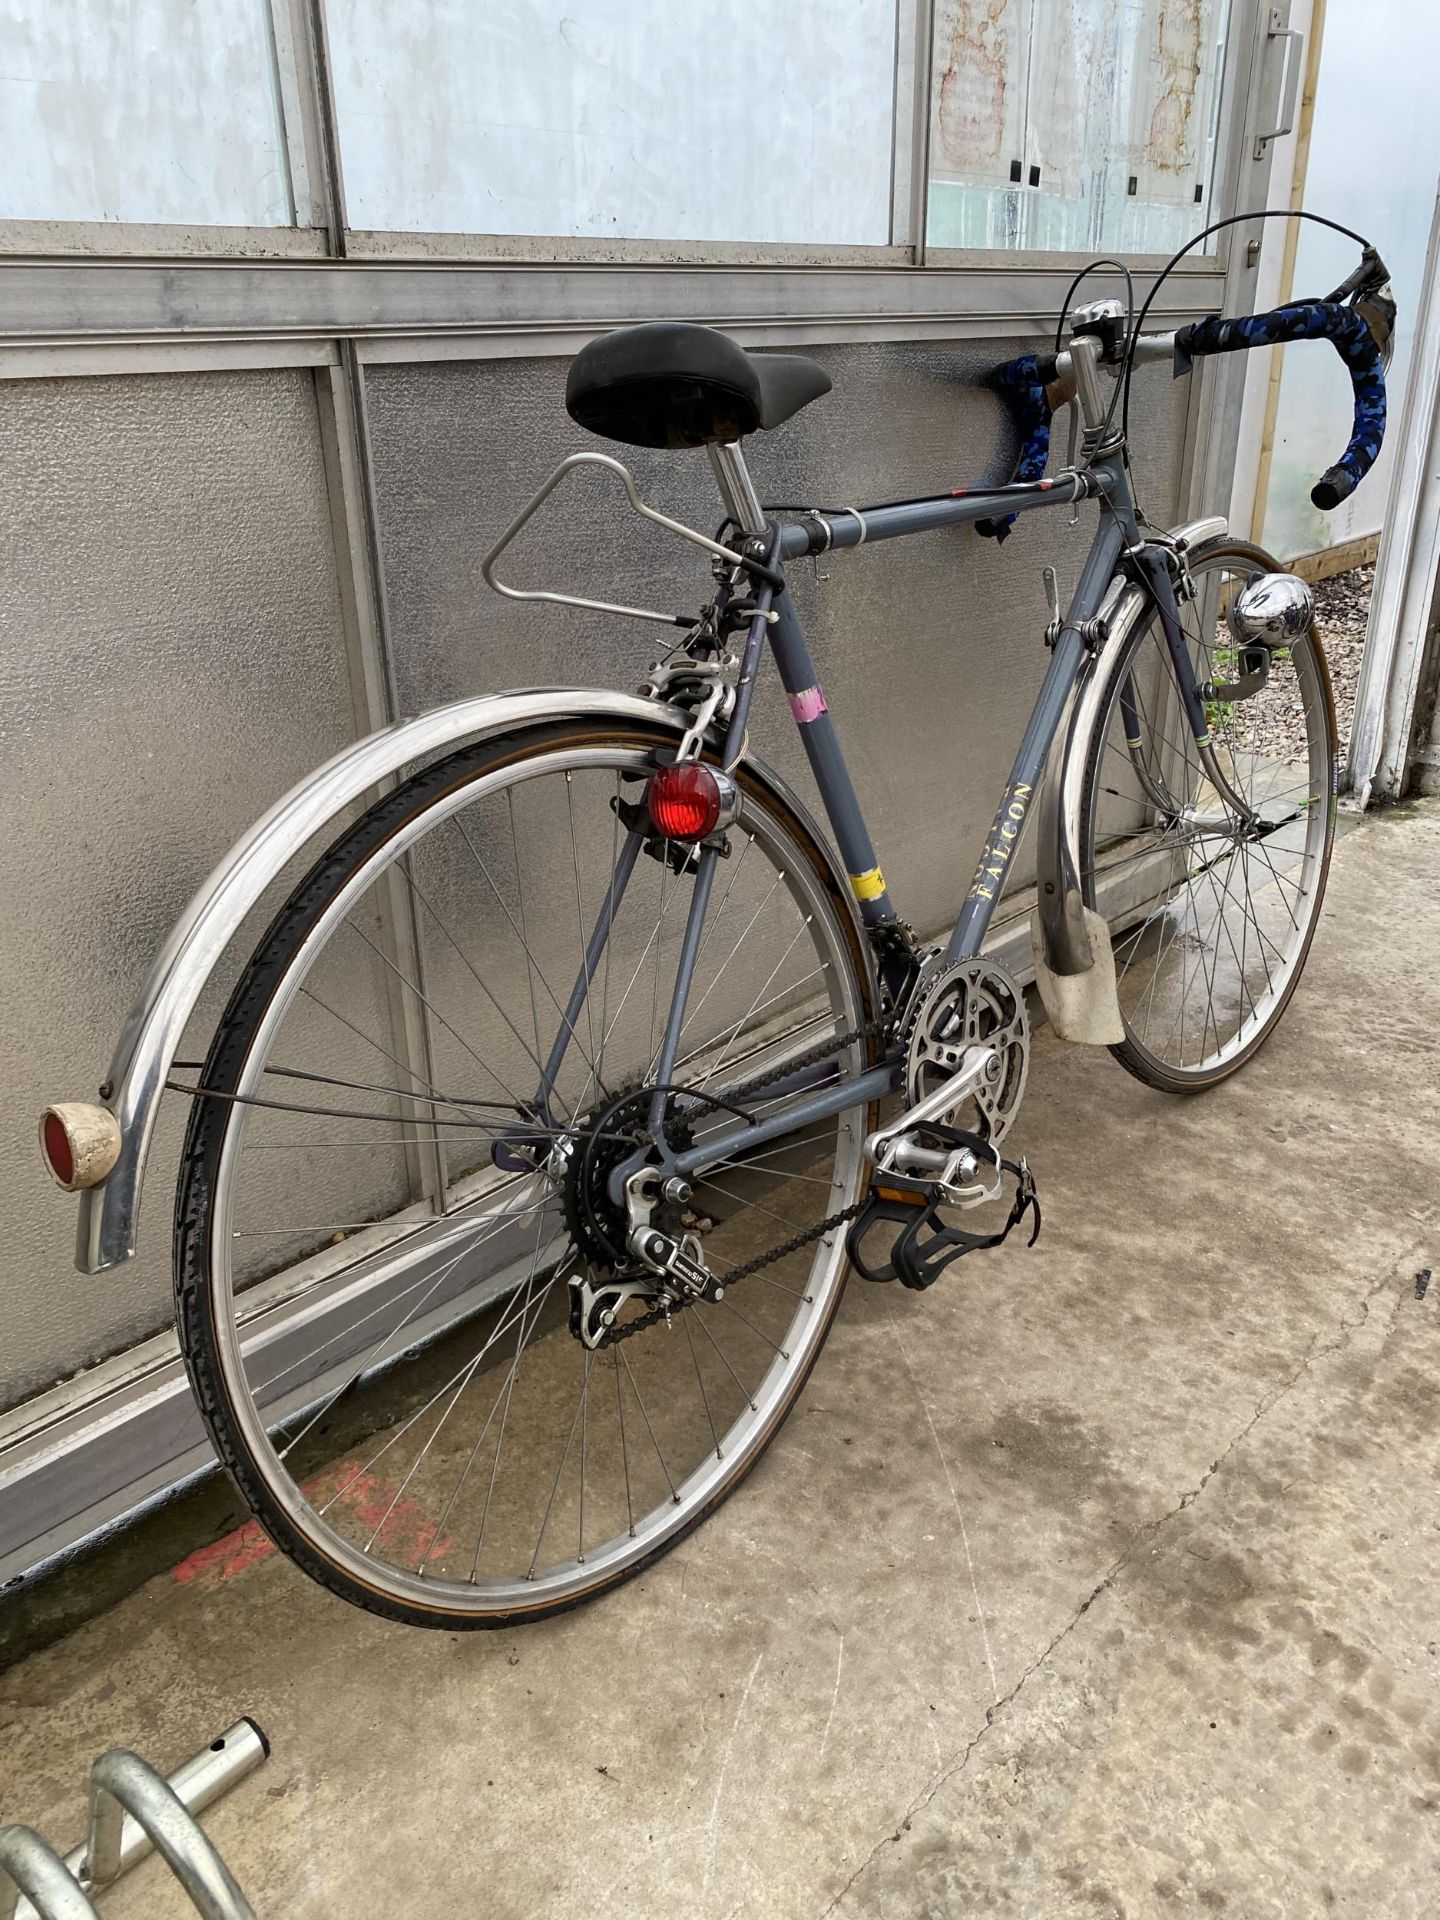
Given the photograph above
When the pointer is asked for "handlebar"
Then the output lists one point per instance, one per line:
(1347, 330)
(1033, 385)
(1022, 384)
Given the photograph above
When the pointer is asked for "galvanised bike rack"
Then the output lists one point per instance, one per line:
(135, 1811)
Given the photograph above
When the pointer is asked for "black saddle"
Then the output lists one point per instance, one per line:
(671, 384)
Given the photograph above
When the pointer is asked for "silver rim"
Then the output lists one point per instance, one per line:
(1211, 927)
(469, 1297)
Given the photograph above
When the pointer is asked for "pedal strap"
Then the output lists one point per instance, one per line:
(925, 1246)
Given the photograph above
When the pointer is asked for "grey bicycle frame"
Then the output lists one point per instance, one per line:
(775, 620)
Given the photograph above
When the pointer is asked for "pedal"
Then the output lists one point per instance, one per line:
(925, 1245)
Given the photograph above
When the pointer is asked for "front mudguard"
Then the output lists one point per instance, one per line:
(156, 1024)
(1074, 969)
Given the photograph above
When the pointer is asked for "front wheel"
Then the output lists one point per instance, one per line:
(1212, 918)
(397, 1182)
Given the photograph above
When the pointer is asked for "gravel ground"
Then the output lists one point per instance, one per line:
(1342, 606)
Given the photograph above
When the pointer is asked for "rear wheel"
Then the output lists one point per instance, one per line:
(383, 1229)
(1213, 919)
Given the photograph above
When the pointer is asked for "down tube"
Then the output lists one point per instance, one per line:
(1013, 812)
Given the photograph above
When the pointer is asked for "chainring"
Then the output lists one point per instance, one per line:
(962, 1004)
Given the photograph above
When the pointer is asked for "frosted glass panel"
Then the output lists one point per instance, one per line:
(150, 110)
(735, 120)
(1073, 124)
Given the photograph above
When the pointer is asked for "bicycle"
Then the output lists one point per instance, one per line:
(524, 1170)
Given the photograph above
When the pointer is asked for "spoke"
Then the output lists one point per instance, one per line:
(340, 1146)
(780, 1287)
(700, 1380)
(471, 967)
(611, 910)
(766, 1161)
(1222, 893)
(724, 966)
(730, 1307)
(507, 1393)
(584, 1425)
(506, 1322)
(555, 1486)
(473, 1455)
(660, 920)
(533, 965)
(402, 976)
(356, 1113)
(466, 1377)
(773, 1151)
(1264, 960)
(730, 1037)
(432, 1099)
(749, 1397)
(404, 1065)
(646, 1417)
(784, 993)
(580, 924)
(754, 1205)
(638, 967)
(624, 1444)
(535, 970)
(719, 912)
(609, 940)
(1282, 881)
(353, 1326)
(357, 1373)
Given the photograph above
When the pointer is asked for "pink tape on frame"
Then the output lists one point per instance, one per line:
(808, 705)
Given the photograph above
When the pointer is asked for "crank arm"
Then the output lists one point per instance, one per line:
(977, 1065)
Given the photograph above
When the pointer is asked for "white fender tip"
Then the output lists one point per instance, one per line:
(1084, 1008)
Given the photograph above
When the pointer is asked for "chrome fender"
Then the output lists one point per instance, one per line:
(1065, 939)
(156, 1024)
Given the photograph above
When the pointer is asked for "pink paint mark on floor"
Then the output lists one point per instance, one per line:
(406, 1531)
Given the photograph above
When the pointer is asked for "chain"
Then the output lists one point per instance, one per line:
(874, 1029)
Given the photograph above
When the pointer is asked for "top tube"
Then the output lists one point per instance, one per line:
(825, 528)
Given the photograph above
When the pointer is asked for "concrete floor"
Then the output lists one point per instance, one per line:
(1098, 1581)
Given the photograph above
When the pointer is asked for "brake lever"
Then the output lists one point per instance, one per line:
(1371, 274)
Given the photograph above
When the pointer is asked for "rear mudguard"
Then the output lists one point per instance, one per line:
(156, 1024)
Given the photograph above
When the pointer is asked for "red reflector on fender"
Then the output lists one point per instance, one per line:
(56, 1144)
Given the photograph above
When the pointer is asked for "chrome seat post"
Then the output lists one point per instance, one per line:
(737, 489)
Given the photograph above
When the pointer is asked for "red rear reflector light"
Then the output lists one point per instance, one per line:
(55, 1144)
(684, 801)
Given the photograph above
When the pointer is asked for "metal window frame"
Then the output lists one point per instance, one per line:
(311, 148)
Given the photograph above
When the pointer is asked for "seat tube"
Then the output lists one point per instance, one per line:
(808, 704)
(827, 763)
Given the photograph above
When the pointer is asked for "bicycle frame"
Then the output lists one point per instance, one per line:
(775, 620)
(148, 1044)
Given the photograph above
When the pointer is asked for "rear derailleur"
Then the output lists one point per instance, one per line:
(967, 1054)
(644, 1250)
